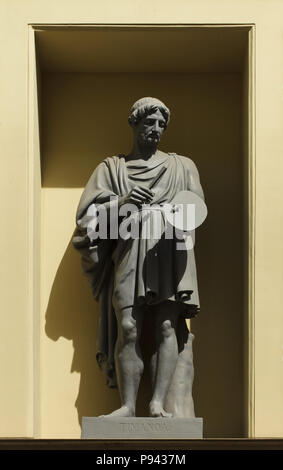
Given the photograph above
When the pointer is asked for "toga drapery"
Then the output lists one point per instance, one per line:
(140, 271)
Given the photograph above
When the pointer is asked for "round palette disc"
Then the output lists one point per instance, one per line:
(187, 211)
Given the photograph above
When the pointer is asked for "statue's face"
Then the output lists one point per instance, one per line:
(149, 129)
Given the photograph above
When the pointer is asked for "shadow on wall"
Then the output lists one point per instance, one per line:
(74, 317)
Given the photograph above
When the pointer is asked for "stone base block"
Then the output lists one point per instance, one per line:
(141, 428)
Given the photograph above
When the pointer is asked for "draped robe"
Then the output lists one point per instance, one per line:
(123, 273)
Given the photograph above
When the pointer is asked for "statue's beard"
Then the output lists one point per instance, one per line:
(148, 141)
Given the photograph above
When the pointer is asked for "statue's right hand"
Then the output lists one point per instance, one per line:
(138, 195)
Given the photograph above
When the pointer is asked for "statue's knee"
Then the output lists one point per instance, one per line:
(166, 329)
(129, 330)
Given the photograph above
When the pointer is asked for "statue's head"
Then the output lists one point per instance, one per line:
(149, 118)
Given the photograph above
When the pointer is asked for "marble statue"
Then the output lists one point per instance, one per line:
(135, 276)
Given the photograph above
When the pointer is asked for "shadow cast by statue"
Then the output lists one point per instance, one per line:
(72, 314)
(156, 262)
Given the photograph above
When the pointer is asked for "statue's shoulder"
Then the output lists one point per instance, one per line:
(186, 161)
(112, 161)
(114, 158)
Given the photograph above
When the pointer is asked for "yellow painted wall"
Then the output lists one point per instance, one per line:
(17, 415)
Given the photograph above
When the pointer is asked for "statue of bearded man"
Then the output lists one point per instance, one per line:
(136, 276)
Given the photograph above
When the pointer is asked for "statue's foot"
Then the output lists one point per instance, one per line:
(156, 410)
(123, 412)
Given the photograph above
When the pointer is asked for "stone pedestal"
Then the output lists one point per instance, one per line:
(141, 428)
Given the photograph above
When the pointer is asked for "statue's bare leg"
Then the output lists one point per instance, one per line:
(128, 359)
(153, 367)
(165, 360)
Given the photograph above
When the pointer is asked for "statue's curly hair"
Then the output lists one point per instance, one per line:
(145, 106)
